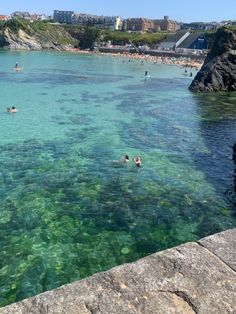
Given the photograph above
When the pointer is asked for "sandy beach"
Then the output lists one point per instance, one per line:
(188, 61)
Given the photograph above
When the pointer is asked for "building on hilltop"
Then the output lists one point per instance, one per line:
(105, 22)
(166, 25)
(4, 17)
(139, 24)
(142, 24)
(65, 17)
(28, 16)
(23, 15)
(200, 26)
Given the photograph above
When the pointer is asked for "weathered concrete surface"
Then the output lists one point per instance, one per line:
(191, 278)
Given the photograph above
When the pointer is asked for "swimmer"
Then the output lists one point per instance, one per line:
(137, 161)
(17, 67)
(126, 158)
(13, 110)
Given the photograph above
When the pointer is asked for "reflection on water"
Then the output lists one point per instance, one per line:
(68, 211)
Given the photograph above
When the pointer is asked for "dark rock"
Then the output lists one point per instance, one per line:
(234, 152)
(196, 277)
(218, 72)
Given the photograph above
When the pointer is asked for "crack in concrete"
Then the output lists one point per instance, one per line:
(183, 295)
(216, 256)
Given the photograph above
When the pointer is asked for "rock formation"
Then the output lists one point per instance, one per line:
(218, 72)
(197, 277)
(55, 38)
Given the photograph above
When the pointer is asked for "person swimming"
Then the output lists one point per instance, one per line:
(137, 161)
(13, 109)
(126, 158)
(17, 67)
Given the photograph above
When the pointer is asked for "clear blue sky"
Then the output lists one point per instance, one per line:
(182, 10)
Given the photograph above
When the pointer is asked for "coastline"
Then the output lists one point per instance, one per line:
(187, 61)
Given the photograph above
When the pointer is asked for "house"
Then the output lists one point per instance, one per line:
(172, 41)
(3, 17)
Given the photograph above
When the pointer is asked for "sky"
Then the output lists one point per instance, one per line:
(179, 10)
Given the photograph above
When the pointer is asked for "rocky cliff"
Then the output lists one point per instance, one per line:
(28, 38)
(197, 277)
(218, 72)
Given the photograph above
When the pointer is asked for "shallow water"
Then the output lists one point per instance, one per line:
(69, 208)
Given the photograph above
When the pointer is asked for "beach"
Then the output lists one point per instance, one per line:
(183, 61)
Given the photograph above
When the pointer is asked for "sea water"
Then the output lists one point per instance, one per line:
(68, 206)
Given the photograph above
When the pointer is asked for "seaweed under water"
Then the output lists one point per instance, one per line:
(70, 207)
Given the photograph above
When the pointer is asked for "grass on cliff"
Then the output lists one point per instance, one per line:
(138, 38)
(45, 31)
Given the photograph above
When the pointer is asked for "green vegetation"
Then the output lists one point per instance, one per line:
(84, 35)
(231, 28)
(15, 24)
(45, 32)
(138, 38)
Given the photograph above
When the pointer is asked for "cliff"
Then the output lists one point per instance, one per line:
(218, 72)
(17, 35)
(197, 277)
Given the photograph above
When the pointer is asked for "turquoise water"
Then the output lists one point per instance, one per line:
(69, 208)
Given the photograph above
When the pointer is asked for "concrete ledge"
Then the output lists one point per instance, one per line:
(197, 277)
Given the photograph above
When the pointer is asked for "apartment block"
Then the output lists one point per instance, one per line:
(139, 24)
(63, 16)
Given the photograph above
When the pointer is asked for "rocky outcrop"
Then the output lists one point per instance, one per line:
(218, 72)
(198, 277)
(55, 38)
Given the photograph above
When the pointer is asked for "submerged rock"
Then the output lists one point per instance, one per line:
(218, 72)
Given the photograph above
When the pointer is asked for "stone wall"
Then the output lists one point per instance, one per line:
(197, 277)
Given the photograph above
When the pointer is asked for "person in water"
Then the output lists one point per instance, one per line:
(13, 109)
(137, 161)
(126, 158)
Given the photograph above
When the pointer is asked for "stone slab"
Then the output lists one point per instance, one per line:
(196, 277)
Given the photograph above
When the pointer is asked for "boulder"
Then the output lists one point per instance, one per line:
(218, 72)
